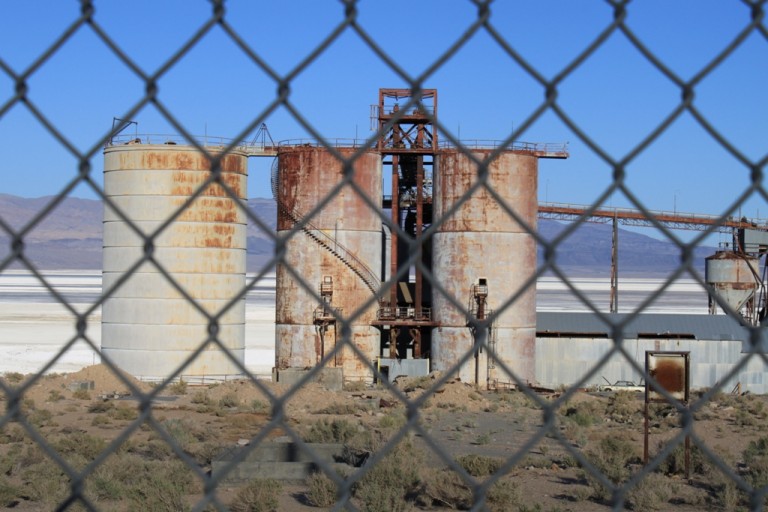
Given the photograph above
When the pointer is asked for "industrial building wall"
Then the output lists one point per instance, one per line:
(561, 362)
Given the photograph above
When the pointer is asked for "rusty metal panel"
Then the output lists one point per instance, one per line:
(308, 174)
(671, 370)
(152, 208)
(512, 176)
(148, 328)
(178, 234)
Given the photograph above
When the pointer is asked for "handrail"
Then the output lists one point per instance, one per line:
(171, 139)
(338, 250)
(332, 142)
(533, 147)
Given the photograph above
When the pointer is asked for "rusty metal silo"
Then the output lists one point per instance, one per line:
(148, 327)
(483, 257)
(735, 278)
(334, 254)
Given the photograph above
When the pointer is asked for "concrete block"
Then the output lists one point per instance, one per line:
(284, 461)
(331, 378)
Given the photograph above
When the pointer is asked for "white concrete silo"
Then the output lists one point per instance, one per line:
(149, 328)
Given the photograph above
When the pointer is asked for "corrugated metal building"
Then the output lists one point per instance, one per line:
(568, 345)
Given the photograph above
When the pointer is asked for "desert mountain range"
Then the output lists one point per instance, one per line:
(70, 237)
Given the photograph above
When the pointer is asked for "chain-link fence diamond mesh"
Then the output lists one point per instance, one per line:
(487, 428)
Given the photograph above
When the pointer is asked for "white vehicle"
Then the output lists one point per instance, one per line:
(623, 385)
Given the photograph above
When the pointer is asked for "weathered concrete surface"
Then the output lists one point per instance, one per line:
(284, 461)
(330, 378)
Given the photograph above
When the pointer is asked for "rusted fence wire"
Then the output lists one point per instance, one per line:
(86, 19)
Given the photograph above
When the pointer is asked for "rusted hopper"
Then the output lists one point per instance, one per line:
(735, 277)
(149, 328)
(336, 252)
(481, 249)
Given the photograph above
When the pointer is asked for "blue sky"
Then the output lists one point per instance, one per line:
(616, 96)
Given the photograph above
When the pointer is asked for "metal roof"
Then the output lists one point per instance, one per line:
(700, 327)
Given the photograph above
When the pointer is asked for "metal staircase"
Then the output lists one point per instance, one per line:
(326, 241)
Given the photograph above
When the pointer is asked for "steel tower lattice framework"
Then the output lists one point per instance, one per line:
(408, 144)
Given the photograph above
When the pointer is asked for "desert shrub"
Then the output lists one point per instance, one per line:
(343, 409)
(355, 386)
(756, 460)
(575, 434)
(101, 406)
(391, 484)
(156, 449)
(140, 483)
(624, 408)
(112, 479)
(9, 459)
(12, 434)
(414, 383)
(518, 399)
(584, 414)
(81, 394)
(260, 495)
(335, 431)
(9, 494)
(45, 482)
(446, 489)
(725, 492)
(31, 455)
(40, 417)
(229, 400)
(161, 486)
(674, 464)
(100, 420)
(503, 495)
(204, 453)
(393, 420)
(479, 465)
(181, 431)
(653, 492)
(612, 457)
(260, 407)
(744, 418)
(55, 395)
(178, 388)
(483, 439)
(754, 405)
(13, 377)
(202, 397)
(79, 443)
(322, 490)
(123, 413)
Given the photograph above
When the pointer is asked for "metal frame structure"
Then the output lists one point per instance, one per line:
(408, 144)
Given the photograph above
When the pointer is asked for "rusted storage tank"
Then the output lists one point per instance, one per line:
(149, 328)
(481, 243)
(734, 277)
(333, 254)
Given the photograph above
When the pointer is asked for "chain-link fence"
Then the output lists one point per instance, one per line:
(409, 445)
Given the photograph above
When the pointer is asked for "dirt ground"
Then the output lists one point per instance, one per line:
(93, 407)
